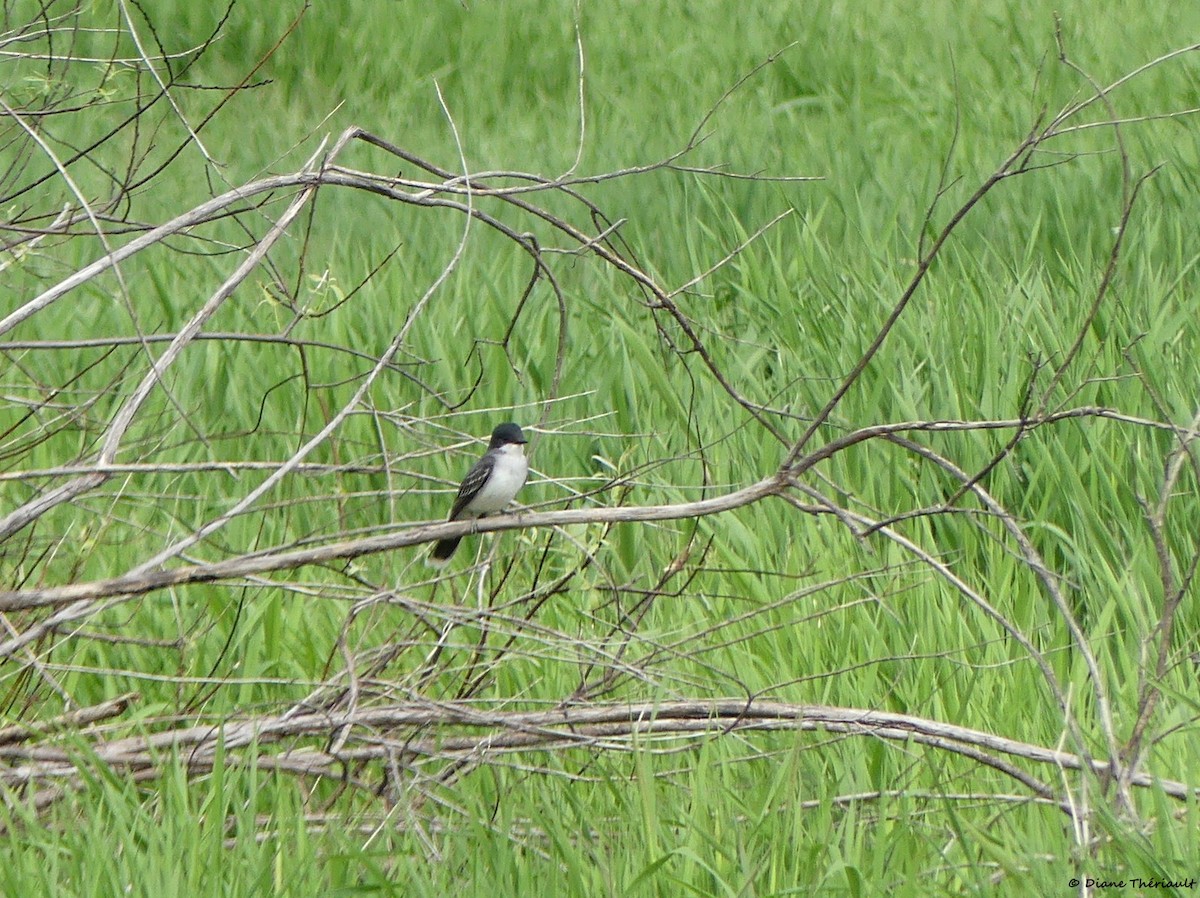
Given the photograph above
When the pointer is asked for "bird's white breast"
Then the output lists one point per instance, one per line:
(508, 476)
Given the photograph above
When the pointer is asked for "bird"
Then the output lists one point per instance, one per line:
(489, 486)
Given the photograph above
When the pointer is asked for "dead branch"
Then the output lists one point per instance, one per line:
(484, 734)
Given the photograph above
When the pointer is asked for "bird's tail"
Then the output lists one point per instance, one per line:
(442, 550)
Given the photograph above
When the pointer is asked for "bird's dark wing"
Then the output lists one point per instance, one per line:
(471, 485)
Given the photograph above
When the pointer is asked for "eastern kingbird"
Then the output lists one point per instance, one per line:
(489, 486)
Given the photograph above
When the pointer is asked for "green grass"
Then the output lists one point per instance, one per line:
(780, 605)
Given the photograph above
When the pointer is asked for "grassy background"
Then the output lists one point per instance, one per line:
(781, 606)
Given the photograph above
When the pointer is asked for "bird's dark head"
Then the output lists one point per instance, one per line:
(506, 433)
